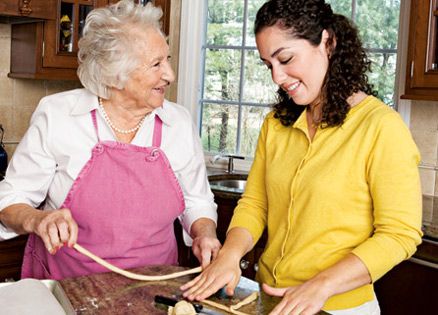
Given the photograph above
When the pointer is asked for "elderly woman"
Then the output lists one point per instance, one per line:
(112, 165)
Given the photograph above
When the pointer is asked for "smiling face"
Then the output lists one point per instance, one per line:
(147, 84)
(297, 66)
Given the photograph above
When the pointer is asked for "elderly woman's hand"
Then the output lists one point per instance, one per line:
(56, 228)
(205, 243)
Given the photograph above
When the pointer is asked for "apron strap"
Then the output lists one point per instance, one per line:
(158, 127)
(94, 119)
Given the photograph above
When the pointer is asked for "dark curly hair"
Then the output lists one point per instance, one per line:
(348, 63)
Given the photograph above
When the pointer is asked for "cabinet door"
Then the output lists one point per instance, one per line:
(165, 6)
(422, 63)
(409, 288)
(48, 50)
(11, 258)
(61, 35)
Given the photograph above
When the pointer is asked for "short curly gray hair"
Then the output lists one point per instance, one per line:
(106, 53)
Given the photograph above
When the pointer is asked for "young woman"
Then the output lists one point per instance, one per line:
(335, 179)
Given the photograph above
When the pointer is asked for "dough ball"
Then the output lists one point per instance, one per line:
(182, 308)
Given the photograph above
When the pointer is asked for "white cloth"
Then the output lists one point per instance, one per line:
(28, 297)
(59, 140)
(368, 308)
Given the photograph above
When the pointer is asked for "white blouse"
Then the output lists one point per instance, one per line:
(59, 140)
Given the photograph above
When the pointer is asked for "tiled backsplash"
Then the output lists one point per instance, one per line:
(424, 128)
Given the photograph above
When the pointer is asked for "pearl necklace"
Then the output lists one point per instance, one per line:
(110, 123)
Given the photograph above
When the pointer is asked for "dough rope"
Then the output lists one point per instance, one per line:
(233, 308)
(132, 275)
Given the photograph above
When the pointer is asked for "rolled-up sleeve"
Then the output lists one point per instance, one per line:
(30, 170)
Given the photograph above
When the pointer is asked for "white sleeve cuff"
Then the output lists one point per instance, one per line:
(6, 233)
(191, 215)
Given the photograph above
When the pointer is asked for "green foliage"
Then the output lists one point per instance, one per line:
(378, 24)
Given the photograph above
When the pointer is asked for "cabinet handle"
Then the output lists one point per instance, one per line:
(25, 8)
(244, 264)
(412, 69)
(424, 262)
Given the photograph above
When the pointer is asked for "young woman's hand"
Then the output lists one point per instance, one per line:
(223, 271)
(305, 299)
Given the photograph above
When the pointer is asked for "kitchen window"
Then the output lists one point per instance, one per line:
(234, 89)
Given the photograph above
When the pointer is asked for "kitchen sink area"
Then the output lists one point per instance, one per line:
(234, 183)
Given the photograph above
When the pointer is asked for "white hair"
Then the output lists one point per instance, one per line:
(107, 53)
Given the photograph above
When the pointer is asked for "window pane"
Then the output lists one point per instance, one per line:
(219, 126)
(378, 21)
(225, 22)
(253, 6)
(258, 85)
(252, 119)
(341, 7)
(383, 75)
(222, 74)
(66, 27)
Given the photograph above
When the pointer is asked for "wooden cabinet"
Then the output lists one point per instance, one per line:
(37, 9)
(48, 50)
(11, 258)
(422, 62)
(412, 286)
(226, 203)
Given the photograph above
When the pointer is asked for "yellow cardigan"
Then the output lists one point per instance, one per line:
(353, 189)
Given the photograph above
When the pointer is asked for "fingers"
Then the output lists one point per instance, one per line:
(229, 289)
(221, 272)
(205, 286)
(305, 299)
(73, 227)
(290, 309)
(56, 228)
(273, 291)
(205, 249)
(215, 251)
(205, 258)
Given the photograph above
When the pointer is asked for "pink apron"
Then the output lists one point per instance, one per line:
(124, 200)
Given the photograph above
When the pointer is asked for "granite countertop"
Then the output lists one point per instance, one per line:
(110, 293)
